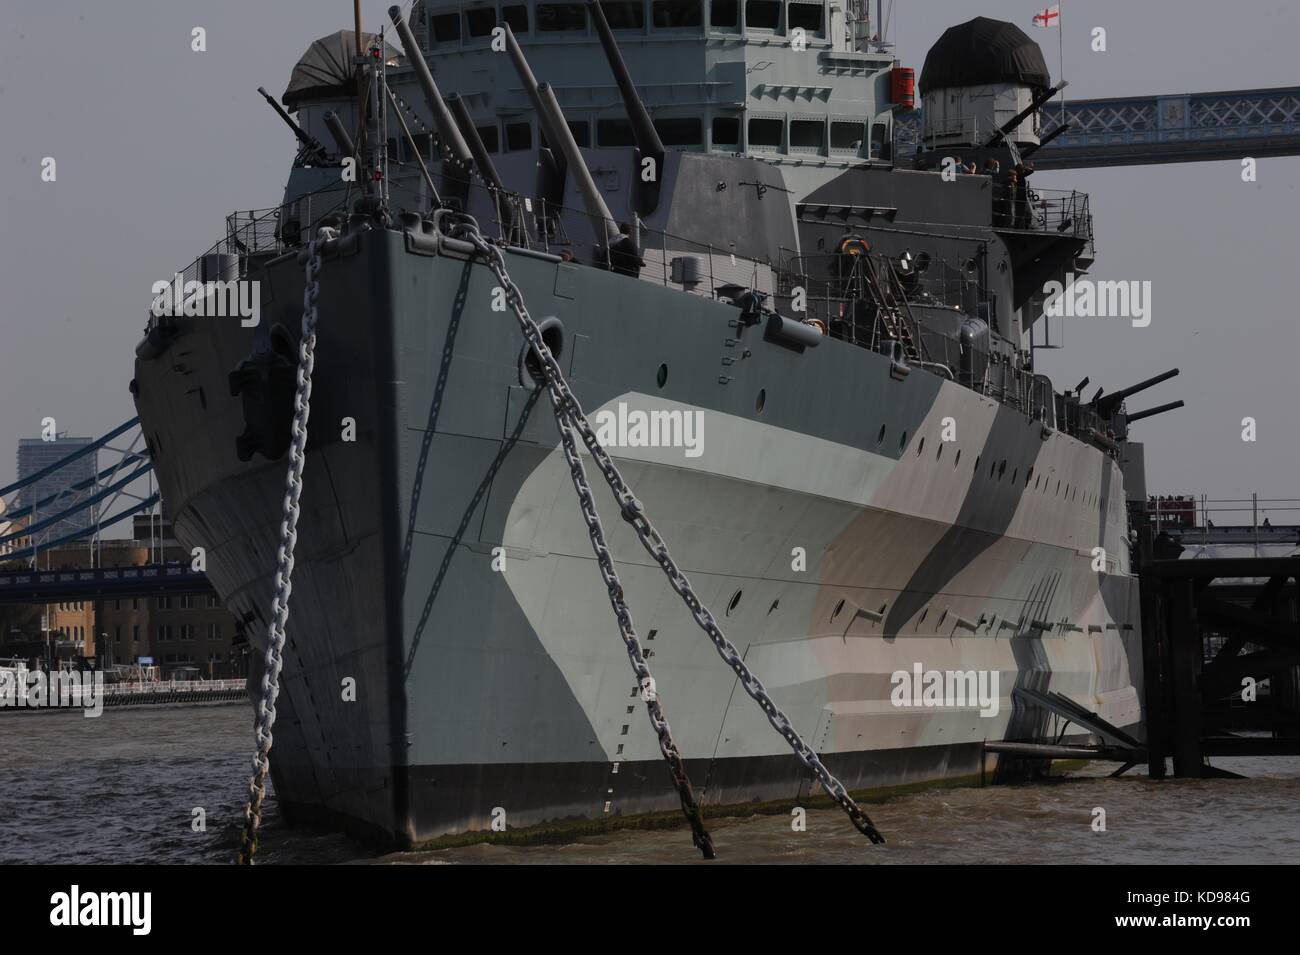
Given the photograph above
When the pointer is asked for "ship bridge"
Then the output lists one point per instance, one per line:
(791, 81)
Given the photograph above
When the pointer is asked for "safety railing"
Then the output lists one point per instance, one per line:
(1067, 212)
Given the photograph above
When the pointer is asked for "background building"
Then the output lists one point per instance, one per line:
(170, 631)
(34, 454)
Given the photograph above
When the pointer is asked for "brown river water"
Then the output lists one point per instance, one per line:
(123, 788)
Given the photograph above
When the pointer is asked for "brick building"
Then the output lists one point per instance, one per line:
(171, 630)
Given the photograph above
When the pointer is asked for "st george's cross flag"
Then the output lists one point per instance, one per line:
(1050, 17)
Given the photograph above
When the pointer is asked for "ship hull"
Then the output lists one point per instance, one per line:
(452, 656)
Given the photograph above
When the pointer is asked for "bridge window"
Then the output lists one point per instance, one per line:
(135, 633)
(213, 602)
(491, 137)
(848, 135)
(581, 130)
(614, 132)
(670, 14)
(624, 14)
(805, 16)
(446, 26)
(515, 17)
(556, 17)
(879, 140)
(164, 603)
(518, 136)
(763, 14)
(726, 130)
(686, 131)
(117, 634)
(765, 132)
(807, 134)
(724, 13)
(214, 631)
(480, 22)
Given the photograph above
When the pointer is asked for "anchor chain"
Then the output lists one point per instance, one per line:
(613, 585)
(288, 540)
(569, 411)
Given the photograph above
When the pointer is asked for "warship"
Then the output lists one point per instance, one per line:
(811, 358)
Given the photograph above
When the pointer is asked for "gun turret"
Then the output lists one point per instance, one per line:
(312, 149)
(1108, 405)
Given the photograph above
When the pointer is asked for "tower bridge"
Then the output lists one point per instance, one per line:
(1151, 130)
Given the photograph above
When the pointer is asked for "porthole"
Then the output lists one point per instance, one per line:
(1002, 469)
(760, 400)
(662, 375)
(1029, 476)
(1037, 481)
(942, 617)
(993, 469)
(920, 446)
(735, 602)
(1014, 475)
(977, 463)
(938, 454)
(880, 438)
(924, 611)
(775, 603)
(957, 460)
(838, 607)
(1058, 487)
(902, 442)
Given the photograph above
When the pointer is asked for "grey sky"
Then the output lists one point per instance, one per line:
(155, 144)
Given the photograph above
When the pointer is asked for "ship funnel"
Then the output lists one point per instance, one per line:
(559, 137)
(1108, 405)
(648, 143)
(457, 153)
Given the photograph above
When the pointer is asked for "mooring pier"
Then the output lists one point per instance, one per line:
(1221, 633)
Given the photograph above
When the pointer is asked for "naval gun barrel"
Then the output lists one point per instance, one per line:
(1044, 140)
(340, 134)
(1108, 405)
(602, 219)
(448, 133)
(1150, 412)
(643, 130)
(1024, 114)
(310, 144)
(558, 136)
(487, 169)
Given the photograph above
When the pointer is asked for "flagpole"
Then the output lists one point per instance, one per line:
(1060, 29)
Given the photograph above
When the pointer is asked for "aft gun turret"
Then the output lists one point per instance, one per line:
(1108, 405)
